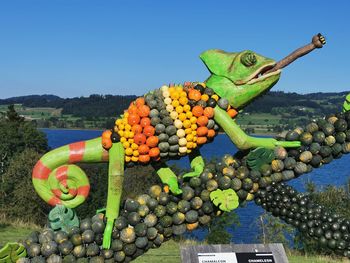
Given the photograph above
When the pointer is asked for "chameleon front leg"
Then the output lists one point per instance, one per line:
(168, 177)
(241, 139)
(197, 164)
(115, 187)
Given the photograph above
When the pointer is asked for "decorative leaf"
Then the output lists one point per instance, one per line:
(11, 252)
(61, 218)
(260, 156)
(226, 200)
(346, 105)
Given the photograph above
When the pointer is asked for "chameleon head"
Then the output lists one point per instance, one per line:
(239, 77)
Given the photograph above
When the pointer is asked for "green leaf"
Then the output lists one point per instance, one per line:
(61, 218)
(226, 200)
(11, 252)
(260, 156)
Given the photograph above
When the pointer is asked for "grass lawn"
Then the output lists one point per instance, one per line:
(169, 252)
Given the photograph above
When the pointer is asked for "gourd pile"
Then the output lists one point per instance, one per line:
(167, 123)
(157, 216)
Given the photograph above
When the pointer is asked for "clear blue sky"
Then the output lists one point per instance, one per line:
(76, 48)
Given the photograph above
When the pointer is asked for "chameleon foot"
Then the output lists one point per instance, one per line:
(11, 252)
(107, 235)
(101, 211)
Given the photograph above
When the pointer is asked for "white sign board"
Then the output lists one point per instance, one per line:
(228, 257)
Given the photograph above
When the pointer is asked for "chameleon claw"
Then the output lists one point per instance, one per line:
(191, 174)
(101, 211)
(106, 244)
(286, 144)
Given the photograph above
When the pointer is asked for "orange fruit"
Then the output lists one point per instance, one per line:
(106, 143)
(143, 149)
(152, 141)
(133, 119)
(154, 152)
(202, 121)
(143, 110)
(144, 158)
(132, 109)
(194, 95)
(139, 102)
(209, 112)
(201, 140)
(211, 133)
(137, 128)
(202, 131)
(197, 111)
(145, 121)
(232, 113)
(148, 130)
(140, 139)
(107, 134)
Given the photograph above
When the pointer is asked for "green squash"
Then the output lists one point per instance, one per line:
(197, 202)
(152, 203)
(329, 140)
(128, 235)
(141, 242)
(60, 236)
(34, 250)
(265, 170)
(191, 216)
(315, 147)
(160, 211)
(277, 165)
(121, 222)
(204, 220)
(306, 138)
(195, 182)
(163, 198)
(247, 184)
(207, 207)
(236, 184)
(92, 250)
(212, 185)
(76, 239)
(305, 156)
(54, 259)
(171, 208)
(242, 172)
(65, 247)
(140, 229)
(98, 226)
(133, 218)
(205, 194)
(116, 245)
(143, 210)
(229, 171)
(318, 136)
(48, 248)
(88, 236)
(179, 230)
(107, 253)
(183, 206)
(280, 152)
(224, 182)
(131, 205)
(340, 125)
(119, 256)
(328, 129)
(79, 251)
(151, 220)
(340, 137)
(178, 218)
(155, 191)
(292, 136)
(152, 233)
(276, 177)
(166, 221)
(129, 249)
(69, 259)
(311, 127)
(187, 193)
(300, 168)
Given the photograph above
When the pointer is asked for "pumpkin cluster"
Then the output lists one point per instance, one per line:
(167, 123)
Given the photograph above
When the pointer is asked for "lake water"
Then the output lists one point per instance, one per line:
(335, 173)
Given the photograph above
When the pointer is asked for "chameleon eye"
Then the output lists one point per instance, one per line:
(248, 59)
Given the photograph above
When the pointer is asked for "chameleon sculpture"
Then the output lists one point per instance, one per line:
(170, 122)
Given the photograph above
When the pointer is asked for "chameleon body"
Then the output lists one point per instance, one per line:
(236, 80)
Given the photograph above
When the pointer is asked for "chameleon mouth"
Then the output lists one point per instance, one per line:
(263, 73)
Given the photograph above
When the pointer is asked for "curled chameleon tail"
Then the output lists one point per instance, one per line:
(58, 181)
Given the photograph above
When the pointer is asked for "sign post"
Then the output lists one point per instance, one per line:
(234, 253)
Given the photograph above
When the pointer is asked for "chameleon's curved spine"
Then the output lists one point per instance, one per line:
(58, 181)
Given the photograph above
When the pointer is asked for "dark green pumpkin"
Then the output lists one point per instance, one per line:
(128, 235)
(160, 210)
(247, 184)
(319, 136)
(76, 239)
(183, 206)
(325, 151)
(152, 203)
(54, 259)
(48, 248)
(255, 176)
(79, 251)
(88, 236)
(205, 194)
(212, 185)
(336, 149)
(312, 127)
(34, 250)
(187, 193)
(242, 194)
(133, 218)
(60, 236)
(92, 250)
(171, 208)
(197, 202)
(204, 220)
(305, 156)
(224, 182)
(292, 136)
(195, 182)
(143, 210)
(329, 140)
(340, 137)
(121, 222)
(315, 147)
(151, 220)
(242, 172)
(306, 138)
(69, 259)
(85, 224)
(166, 221)
(141, 229)
(98, 226)
(65, 247)
(340, 125)
(129, 249)
(179, 229)
(152, 233)
(328, 129)
(178, 218)
(163, 198)
(300, 168)
(207, 207)
(276, 177)
(116, 245)
(141, 242)
(265, 170)
(191, 216)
